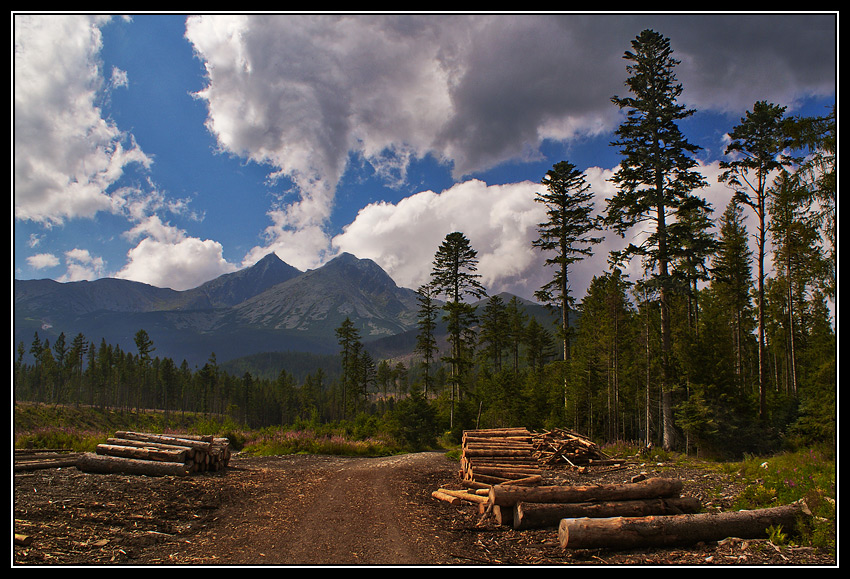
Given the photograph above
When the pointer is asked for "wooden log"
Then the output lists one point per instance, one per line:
(549, 515)
(102, 464)
(158, 454)
(165, 439)
(525, 481)
(496, 440)
(451, 499)
(29, 465)
(147, 444)
(676, 530)
(649, 488)
(503, 515)
(512, 472)
(473, 452)
(490, 480)
(466, 496)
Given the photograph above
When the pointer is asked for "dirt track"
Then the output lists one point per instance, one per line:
(321, 510)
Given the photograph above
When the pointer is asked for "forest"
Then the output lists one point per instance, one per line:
(718, 349)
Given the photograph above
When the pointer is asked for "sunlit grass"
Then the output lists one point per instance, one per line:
(782, 479)
(270, 442)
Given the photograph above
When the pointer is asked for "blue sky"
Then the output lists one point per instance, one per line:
(170, 150)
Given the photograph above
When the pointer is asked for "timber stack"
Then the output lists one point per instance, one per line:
(563, 446)
(157, 454)
(545, 506)
(498, 456)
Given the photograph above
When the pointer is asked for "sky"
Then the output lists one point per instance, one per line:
(171, 149)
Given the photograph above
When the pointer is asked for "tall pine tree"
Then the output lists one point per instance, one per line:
(756, 150)
(656, 175)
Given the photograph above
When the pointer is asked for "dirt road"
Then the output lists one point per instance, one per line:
(331, 510)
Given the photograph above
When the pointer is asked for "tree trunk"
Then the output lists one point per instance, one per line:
(672, 530)
(160, 454)
(95, 463)
(545, 515)
(503, 495)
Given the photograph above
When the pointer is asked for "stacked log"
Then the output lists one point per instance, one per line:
(545, 506)
(563, 446)
(157, 454)
(34, 459)
(498, 456)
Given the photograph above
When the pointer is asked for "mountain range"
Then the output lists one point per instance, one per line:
(268, 307)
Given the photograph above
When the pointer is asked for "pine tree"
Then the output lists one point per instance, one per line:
(349, 340)
(655, 176)
(494, 329)
(453, 275)
(426, 341)
(567, 234)
(732, 278)
(757, 149)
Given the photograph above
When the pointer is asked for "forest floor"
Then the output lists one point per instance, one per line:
(303, 510)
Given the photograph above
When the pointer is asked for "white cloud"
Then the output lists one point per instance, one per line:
(82, 266)
(304, 93)
(66, 154)
(499, 220)
(167, 257)
(42, 260)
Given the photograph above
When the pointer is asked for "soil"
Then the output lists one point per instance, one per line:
(306, 510)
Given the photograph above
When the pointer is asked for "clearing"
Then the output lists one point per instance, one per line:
(328, 510)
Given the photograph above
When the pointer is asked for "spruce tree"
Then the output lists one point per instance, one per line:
(656, 176)
(757, 150)
(453, 275)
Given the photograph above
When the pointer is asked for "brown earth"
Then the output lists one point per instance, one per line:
(322, 510)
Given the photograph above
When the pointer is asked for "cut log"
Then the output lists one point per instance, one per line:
(147, 444)
(523, 482)
(473, 452)
(204, 445)
(158, 454)
(451, 499)
(466, 496)
(549, 515)
(505, 472)
(40, 460)
(676, 530)
(102, 464)
(650, 488)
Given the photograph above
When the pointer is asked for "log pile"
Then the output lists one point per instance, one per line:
(496, 456)
(34, 459)
(563, 446)
(546, 506)
(157, 454)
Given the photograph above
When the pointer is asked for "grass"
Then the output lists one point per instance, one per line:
(781, 479)
(81, 429)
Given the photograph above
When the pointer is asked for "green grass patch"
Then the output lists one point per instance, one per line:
(782, 479)
(271, 442)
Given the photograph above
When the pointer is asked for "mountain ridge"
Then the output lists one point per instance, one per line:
(267, 306)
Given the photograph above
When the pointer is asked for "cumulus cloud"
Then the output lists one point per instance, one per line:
(306, 93)
(500, 222)
(42, 261)
(166, 257)
(82, 265)
(66, 154)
